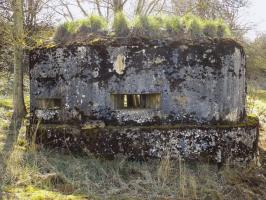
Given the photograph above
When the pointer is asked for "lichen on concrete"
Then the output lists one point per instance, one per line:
(199, 83)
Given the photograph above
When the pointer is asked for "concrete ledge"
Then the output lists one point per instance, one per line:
(220, 143)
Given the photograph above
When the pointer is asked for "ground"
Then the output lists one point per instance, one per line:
(30, 173)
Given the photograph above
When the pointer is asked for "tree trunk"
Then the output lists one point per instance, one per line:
(18, 96)
(118, 6)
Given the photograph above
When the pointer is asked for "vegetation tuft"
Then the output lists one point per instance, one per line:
(70, 30)
(147, 26)
(155, 27)
(120, 24)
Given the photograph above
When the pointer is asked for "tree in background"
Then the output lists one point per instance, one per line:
(107, 8)
(24, 24)
(256, 60)
(18, 38)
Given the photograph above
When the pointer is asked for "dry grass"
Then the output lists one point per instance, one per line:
(47, 175)
(59, 176)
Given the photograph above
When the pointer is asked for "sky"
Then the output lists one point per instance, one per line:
(255, 16)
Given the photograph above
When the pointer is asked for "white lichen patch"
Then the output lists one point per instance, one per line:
(46, 114)
(159, 60)
(120, 64)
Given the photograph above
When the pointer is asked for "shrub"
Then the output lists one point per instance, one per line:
(120, 24)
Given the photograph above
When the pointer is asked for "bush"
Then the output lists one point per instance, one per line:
(120, 24)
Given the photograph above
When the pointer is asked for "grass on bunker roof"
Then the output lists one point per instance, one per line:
(28, 174)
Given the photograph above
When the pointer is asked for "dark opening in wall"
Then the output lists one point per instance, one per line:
(136, 101)
(48, 103)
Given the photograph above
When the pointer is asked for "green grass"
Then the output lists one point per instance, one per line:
(158, 26)
(189, 24)
(261, 95)
(68, 30)
(256, 103)
(120, 24)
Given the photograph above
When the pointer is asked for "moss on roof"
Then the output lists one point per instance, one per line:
(107, 40)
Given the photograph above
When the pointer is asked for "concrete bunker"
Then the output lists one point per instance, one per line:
(144, 98)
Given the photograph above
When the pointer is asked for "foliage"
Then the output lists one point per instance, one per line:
(120, 24)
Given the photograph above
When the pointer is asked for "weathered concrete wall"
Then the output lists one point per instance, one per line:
(198, 82)
(235, 143)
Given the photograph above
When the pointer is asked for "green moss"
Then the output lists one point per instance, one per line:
(250, 121)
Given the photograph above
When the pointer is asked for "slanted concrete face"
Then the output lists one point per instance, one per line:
(228, 143)
(194, 82)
